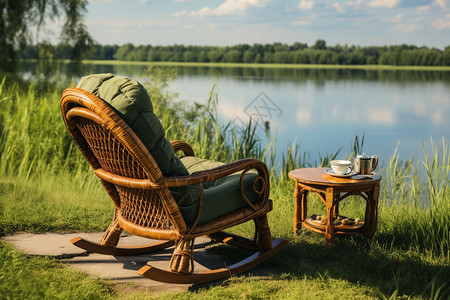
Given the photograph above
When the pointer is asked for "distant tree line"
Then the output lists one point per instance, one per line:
(297, 53)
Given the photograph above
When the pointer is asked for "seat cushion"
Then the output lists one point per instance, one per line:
(220, 196)
(132, 102)
(194, 164)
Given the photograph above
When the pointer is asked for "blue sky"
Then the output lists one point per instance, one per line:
(230, 22)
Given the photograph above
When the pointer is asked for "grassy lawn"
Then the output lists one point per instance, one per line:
(47, 186)
(393, 265)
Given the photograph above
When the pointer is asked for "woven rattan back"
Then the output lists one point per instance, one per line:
(125, 167)
(142, 207)
(112, 155)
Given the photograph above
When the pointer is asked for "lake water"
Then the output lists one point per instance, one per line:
(324, 110)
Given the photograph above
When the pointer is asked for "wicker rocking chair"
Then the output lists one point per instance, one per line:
(144, 204)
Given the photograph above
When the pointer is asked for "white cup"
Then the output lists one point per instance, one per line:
(340, 166)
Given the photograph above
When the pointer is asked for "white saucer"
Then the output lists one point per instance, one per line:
(349, 173)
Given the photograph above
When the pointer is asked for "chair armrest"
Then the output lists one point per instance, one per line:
(194, 178)
(182, 146)
(219, 172)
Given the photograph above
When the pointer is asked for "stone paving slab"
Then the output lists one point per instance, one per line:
(120, 269)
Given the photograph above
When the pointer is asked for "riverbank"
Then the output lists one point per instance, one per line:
(274, 66)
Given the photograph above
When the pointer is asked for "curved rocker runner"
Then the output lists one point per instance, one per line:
(242, 266)
(120, 251)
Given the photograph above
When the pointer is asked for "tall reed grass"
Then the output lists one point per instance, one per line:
(415, 202)
(414, 210)
(33, 140)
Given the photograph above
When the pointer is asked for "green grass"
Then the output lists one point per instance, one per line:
(28, 277)
(46, 185)
(259, 65)
(52, 204)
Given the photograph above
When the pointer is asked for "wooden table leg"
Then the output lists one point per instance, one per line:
(329, 229)
(300, 207)
(304, 205)
(336, 210)
(375, 207)
(372, 212)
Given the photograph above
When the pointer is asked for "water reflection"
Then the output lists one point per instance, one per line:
(326, 114)
(323, 109)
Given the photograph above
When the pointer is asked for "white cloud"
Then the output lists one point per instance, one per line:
(205, 11)
(407, 28)
(398, 18)
(366, 25)
(339, 7)
(440, 3)
(357, 2)
(178, 13)
(152, 23)
(301, 23)
(422, 9)
(441, 24)
(117, 23)
(384, 3)
(306, 4)
(230, 7)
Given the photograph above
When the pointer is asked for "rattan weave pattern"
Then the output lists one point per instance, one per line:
(114, 157)
(109, 151)
(148, 213)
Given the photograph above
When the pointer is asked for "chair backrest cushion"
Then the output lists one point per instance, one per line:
(132, 102)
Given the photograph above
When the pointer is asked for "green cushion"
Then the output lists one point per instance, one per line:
(194, 164)
(220, 196)
(132, 102)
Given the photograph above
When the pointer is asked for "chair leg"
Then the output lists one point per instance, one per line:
(264, 237)
(234, 240)
(112, 235)
(183, 258)
(261, 241)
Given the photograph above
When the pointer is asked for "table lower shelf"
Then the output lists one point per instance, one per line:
(317, 226)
